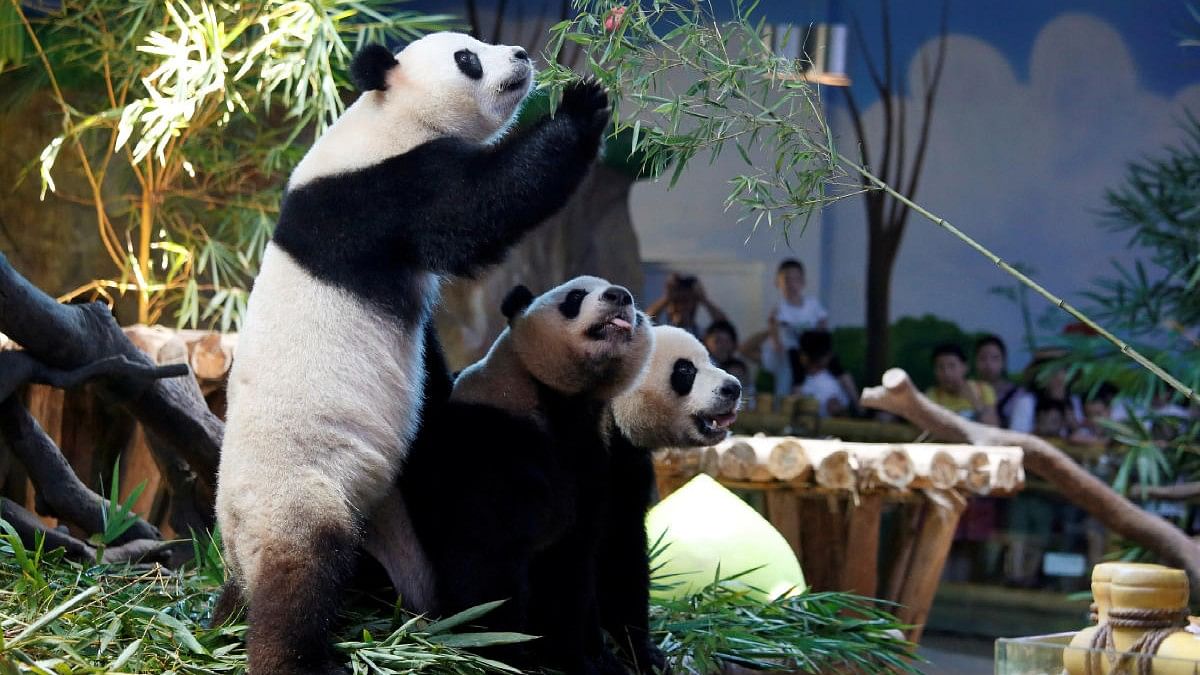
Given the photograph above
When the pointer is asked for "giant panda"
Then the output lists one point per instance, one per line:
(682, 400)
(510, 505)
(408, 186)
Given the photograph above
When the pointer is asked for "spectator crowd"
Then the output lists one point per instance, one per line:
(796, 355)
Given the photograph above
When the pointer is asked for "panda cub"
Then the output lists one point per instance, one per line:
(682, 400)
(510, 505)
(408, 186)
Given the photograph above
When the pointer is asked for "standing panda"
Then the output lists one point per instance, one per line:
(510, 505)
(682, 400)
(326, 393)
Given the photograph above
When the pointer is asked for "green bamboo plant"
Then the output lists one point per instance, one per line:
(183, 119)
(690, 84)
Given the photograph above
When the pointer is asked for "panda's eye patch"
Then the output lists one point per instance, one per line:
(683, 376)
(468, 63)
(570, 306)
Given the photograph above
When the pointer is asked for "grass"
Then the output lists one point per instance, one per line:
(58, 617)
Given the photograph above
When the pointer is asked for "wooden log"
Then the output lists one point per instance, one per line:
(710, 462)
(822, 540)
(834, 467)
(783, 510)
(905, 538)
(882, 465)
(673, 467)
(899, 396)
(209, 357)
(738, 461)
(939, 520)
(161, 344)
(934, 467)
(988, 470)
(773, 458)
(860, 572)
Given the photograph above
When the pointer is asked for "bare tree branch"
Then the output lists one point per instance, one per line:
(856, 120)
(927, 114)
(899, 396)
(28, 527)
(58, 488)
(18, 368)
(862, 44)
(69, 337)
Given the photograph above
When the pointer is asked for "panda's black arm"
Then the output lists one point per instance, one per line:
(447, 206)
(499, 194)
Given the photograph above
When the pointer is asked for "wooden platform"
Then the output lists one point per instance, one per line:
(828, 499)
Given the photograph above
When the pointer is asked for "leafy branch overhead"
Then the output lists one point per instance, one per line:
(182, 119)
(687, 83)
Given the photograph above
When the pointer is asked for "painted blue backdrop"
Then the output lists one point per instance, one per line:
(1042, 105)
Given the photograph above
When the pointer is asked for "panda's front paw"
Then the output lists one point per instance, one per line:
(586, 103)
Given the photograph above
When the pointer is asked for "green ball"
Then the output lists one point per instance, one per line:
(705, 527)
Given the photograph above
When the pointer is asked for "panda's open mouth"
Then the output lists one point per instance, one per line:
(617, 325)
(514, 83)
(714, 426)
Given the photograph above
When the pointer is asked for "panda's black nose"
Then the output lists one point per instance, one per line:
(731, 390)
(618, 296)
(521, 54)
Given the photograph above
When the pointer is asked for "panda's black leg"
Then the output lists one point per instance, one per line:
(623, 569)
(564, 610)
(295, 600)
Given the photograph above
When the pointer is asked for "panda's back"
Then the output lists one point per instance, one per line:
(324, 384)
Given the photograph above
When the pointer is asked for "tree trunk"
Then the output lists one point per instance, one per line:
(881, 258)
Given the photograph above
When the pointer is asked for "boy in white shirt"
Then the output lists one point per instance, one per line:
(794, 314)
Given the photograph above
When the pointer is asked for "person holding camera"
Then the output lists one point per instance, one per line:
(683, 296)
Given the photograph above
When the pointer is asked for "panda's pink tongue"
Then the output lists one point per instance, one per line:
(724, 421)
(620, 323)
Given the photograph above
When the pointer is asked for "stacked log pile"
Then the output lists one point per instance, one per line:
(827, 498)
(73, 420)
(766, 462)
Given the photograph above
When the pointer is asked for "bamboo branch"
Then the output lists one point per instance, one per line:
(1062, 304)
(899, 396)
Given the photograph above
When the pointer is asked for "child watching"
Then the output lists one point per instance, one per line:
(794, 314)
(721, 340)
(971, 399)
(816, 350)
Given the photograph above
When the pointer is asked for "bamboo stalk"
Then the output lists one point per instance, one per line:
(1062, 304)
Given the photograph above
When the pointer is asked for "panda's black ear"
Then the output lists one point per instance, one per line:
(516, 301)
(370, 67)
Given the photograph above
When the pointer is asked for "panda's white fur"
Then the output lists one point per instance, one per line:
(323, 394)
(655, 414)
(326, 392)
(682, 400)
(426, 97)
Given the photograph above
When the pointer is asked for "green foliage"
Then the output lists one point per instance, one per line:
(59, 617)
(1157, 303)
(689, 85)
(913, 340)
(62, 617)
(810, 632)
(184, 118)
(618, 152)
(118, 515)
